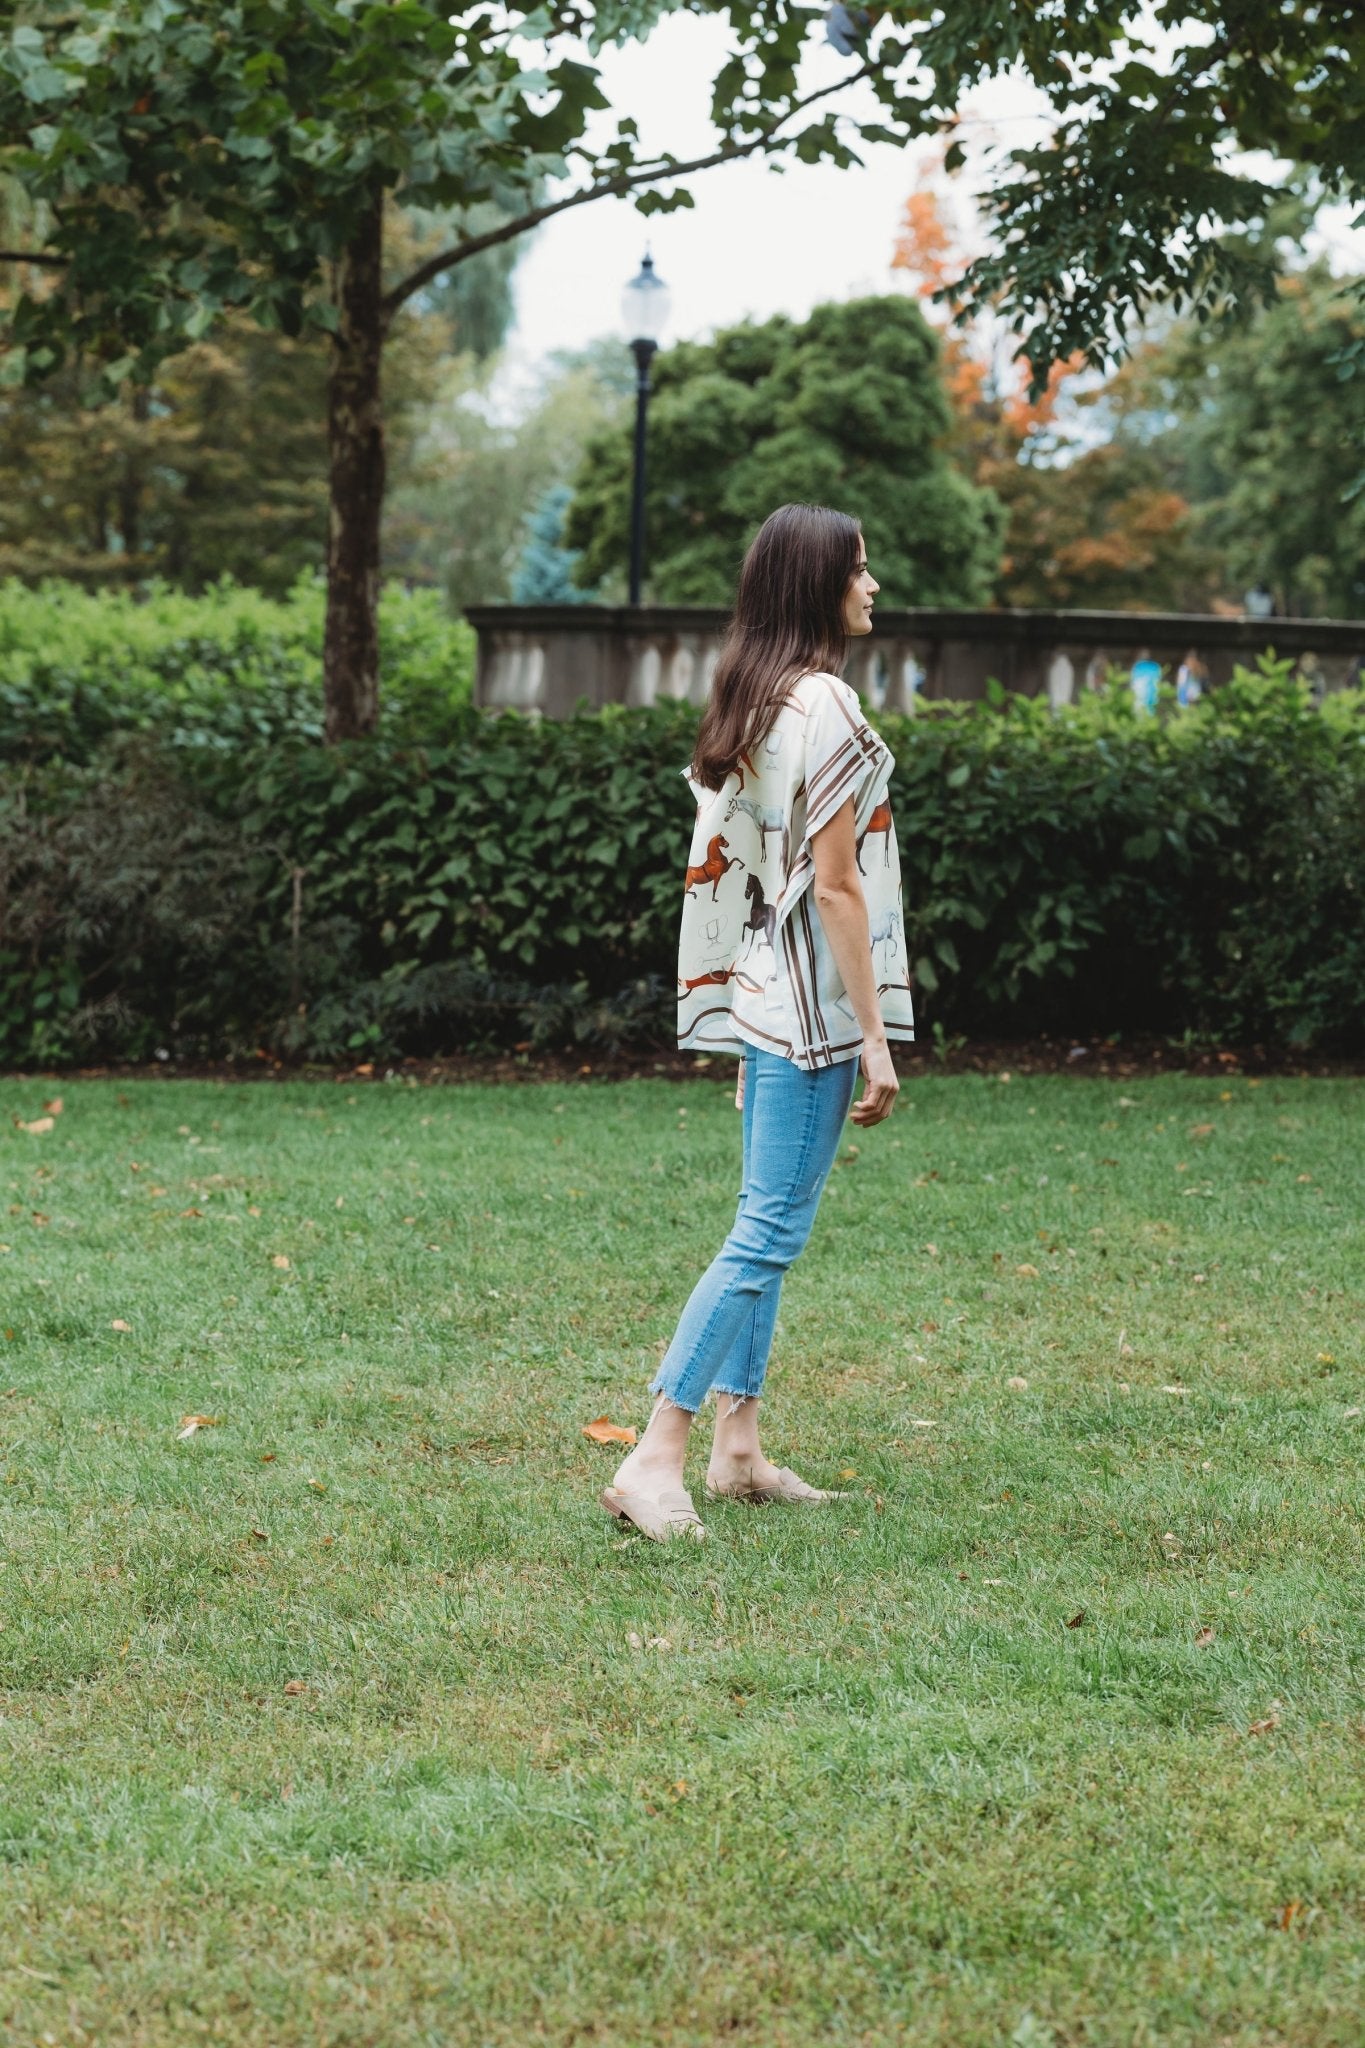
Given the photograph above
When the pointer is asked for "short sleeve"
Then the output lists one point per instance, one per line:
(844, 757)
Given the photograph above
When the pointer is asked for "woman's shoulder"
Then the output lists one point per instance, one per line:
(818, 685)
(820, 692)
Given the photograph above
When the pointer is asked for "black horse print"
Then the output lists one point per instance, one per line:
(762, 919)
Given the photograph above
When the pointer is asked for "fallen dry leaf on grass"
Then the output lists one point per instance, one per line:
(1201, 1130)
(36, 1127)
(1203, 1638)
(1027, 1272)
(1290, 1913)
(279, 1260)
(119, 1324)
(1076, 1618)
(605, 1431)
(190, 1425)
(55, 1107)
(293, 1687)
(1271, 1721)
(1018, 1383)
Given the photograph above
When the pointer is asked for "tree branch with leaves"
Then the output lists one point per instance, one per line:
(189, 160)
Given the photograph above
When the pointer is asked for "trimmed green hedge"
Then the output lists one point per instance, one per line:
(221, 669)
(188, 889)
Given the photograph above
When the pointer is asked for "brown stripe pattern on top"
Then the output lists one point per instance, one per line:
(754, 966)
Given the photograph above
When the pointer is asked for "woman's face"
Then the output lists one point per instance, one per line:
(860, 593)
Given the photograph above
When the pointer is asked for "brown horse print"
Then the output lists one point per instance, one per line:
(717, 978)
(772, 747)
(713, 869)
(880, 821)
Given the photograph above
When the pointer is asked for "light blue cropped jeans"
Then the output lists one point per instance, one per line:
(792, 1123)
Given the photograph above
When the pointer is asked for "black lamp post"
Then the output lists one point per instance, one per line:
(644, 309)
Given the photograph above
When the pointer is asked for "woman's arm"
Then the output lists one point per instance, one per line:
(842, 907)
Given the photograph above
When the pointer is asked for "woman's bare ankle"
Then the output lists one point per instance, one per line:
(657, 1460)
(735, 1445)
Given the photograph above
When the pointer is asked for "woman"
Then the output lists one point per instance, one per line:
(793, 956)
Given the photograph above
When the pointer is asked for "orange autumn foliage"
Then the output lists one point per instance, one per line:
(1024, 415)
(924, 245)
(1097, 527)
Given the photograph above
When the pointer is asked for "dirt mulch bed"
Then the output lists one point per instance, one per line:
(1105, 1059)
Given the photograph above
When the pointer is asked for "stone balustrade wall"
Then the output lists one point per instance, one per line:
(550, 658)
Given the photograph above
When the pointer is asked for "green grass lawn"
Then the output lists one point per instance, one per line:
(352, 1719)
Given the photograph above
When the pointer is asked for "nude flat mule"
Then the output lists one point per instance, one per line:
(788, 1488)
(669, 1515)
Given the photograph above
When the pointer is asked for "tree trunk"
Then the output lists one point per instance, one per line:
(131, 478)
(355, 433)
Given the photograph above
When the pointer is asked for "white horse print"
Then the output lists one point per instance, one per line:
(886, 932)
(767, 817)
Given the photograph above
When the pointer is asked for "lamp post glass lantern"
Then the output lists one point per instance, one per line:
(644, 311)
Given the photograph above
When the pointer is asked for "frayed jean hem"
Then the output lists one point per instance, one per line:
(655, 1387)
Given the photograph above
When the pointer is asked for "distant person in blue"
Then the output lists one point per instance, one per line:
(1259, 602)
(1310, 673)
(1144, 678)
(1190, 678)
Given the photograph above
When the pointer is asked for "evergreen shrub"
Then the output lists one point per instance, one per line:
(218, 669)
(506, 880)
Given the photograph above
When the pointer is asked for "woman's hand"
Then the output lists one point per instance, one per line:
(880, 1086)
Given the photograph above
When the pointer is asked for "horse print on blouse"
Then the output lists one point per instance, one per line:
(768, 818)
(744, 763)
(762, 919)
(713, 869)
(717, 978)
(879, 822)
(885, 932)
(739, 982)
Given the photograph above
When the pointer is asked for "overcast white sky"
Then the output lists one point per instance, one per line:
(757, 242)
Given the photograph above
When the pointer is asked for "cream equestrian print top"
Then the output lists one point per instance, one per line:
(754, 966)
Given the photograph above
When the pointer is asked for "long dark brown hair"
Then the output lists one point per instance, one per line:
(788, 620)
